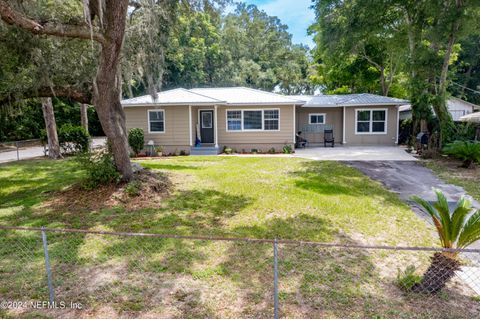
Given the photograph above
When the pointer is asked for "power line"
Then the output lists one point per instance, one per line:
(467, 88)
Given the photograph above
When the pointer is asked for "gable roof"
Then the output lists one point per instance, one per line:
(243, 95)
(352, 100)
(175, 97)
(201, 96)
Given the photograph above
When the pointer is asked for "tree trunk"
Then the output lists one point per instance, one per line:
(51, 128)
(108, 86)
(84, 116)
(441, 270)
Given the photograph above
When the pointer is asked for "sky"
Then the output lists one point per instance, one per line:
(294, 13)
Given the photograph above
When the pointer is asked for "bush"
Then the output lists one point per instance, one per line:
(100, 169)
(136, 140)
(133, 188)
(73, 139)
(466, 151)
(407, 279)
(287, 149)
(227, 150)
(272, 151)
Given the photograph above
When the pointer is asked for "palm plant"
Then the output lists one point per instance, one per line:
(457, 230)
(468, 152)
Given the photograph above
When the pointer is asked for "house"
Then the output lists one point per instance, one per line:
(204, 120)
(457, 108)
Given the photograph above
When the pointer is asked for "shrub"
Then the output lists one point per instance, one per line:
(227, 150)
(99, 167)
(466, 151)
(287, 149)
(73, 139)
(407, 279)
(133, 188)
(272, 151)
(136, 140)
(254, 151)
(183, 153)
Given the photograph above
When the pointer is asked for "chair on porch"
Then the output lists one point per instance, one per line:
(328, 138)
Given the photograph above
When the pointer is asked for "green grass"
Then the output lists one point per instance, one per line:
(219, 196)
(451, 172)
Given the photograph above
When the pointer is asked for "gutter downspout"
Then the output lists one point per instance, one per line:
(216, 125)
(398, 124)
(344, 139)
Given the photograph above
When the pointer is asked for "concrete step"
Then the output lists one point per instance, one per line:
(204, 150)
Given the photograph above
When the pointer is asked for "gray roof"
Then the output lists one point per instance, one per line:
(176, 96)
(353, 100)
(230, 95)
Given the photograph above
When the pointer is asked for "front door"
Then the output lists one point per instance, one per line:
(206, 126)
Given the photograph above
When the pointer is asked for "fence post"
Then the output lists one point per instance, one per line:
(47, 266)
(18, 154)
(275, 279)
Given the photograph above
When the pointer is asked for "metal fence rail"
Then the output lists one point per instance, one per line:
(203, 276)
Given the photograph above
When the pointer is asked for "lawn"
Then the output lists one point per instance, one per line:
(450, 171)
(220, 196)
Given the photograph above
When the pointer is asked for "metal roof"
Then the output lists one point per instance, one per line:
(352, 100)
(243, 95)
(176, 96)
(230, 95)
(304, 98)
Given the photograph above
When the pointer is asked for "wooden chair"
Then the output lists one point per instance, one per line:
(328, 138)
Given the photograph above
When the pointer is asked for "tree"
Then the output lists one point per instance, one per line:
(51, 128)
(457, 229)
(108, 32)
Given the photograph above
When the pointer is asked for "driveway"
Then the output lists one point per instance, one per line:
(355, 153)
(38, 151)
(408, 178)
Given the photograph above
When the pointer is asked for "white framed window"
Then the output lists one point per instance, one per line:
(316, 118)
(253, 120)
(370, 121)
(156, 121)
(234, 120)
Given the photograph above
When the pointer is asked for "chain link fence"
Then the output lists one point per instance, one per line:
(87, 274)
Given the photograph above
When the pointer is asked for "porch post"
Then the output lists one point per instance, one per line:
(294, 126)
(216, 125)
(190, 124)
(344, 139)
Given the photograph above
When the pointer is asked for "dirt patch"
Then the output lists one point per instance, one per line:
(147, 189)
(454, 167)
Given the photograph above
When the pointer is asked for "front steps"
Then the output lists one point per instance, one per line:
(204, 150)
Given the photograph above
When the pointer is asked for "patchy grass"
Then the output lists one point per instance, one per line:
(219, 196)
(450, 171)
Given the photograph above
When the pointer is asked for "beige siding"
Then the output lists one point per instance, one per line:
(262, 140)
(371, 139)
(176, 124)
(333, 116)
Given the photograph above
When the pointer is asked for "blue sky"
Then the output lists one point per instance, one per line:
(294, 13)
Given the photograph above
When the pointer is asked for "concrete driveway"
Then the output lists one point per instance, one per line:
(355, 153)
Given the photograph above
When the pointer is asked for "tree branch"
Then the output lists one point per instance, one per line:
(47, 91)
(13, 17)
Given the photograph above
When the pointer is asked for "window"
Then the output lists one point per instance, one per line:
(156, 121)
(371, 121)
(207, 119)
(234, 120)
(270, 119)
(316, 118)
(253, 120)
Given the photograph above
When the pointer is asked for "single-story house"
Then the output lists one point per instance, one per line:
(457, 108)
(244, 119)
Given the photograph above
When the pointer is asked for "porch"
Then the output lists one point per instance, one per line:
(355, 153)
